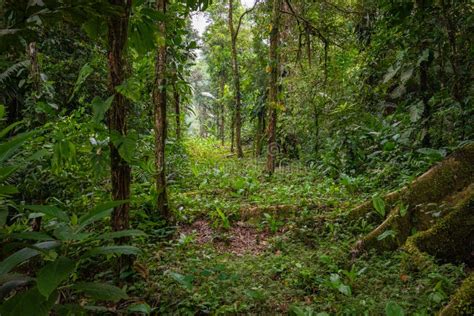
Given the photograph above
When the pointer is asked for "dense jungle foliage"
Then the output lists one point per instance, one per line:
(236, 157)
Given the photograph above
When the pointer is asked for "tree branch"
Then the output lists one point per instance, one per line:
(242, 16)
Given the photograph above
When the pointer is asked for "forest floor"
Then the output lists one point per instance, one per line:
(247, 243)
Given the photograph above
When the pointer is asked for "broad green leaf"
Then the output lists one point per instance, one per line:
(416, 111)
(29, 303)
(52, 274)
(8, 189)
(379, 205)
(100, 107)
(122, 233)
(185, 280)
(11, 281)
(143, 308)
(393, 309)
(66, 233)
(10, 127)
(24, 254)
(114, 250)
(344, 289)
(32, 236)
(6, 171)
(98, 213)
(49, 210)
(101, 291)
(391, 72)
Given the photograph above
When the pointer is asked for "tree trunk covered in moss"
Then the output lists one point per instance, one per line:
(222, 109)
(117, 116)
(159, 100)
(274, 68)
(236, 77)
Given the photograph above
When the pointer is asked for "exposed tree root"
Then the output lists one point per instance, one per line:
(438, 222)
(462, 302)
(428, 199)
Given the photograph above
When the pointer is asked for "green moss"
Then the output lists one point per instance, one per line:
(462, 302)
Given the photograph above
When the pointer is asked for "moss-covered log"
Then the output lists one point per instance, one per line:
(438, 222)
(428, 199)
(462, 302)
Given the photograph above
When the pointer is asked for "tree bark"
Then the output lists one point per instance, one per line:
(117, 116)
(222, 111)
(159, 100)
(236, 77)
(273, 86)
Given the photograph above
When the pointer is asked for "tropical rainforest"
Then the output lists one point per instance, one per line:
(253, 157)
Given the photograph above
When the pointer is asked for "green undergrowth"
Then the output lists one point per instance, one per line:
(307, 267)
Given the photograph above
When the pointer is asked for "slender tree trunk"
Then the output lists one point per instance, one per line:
(222, 111)
(423, 75)
(273, 86)
(117, 116)
(236, 76)
(159, 100)
(232, 131)
(259, 137)
(177, 110)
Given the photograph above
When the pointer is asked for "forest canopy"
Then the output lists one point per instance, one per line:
(236, 157)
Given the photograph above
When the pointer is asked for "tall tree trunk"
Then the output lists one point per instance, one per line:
(260, 134)
(159, 100)
(117, 116)
(222, 111)
(273, 86)
(236, 76)
(424, 77)
(232, 131)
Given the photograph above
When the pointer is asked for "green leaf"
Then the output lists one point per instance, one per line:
(379, 205)
(49, 210)
(52, 274)
(66, 233)
(8, 189)
(121, 234)
(100, 107)
(393, 309)
(7, 129)
(143, 308)
(185, 280)
(32, 236)
(416, 111)
(24, 254)
(29, 303)
(9, 148)
(11, 281)
(403, 209)
(99, 212)
(385, 234)
(85, 72)
(392, 71)
(344, 289)
(116, 250)
(101, 291)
